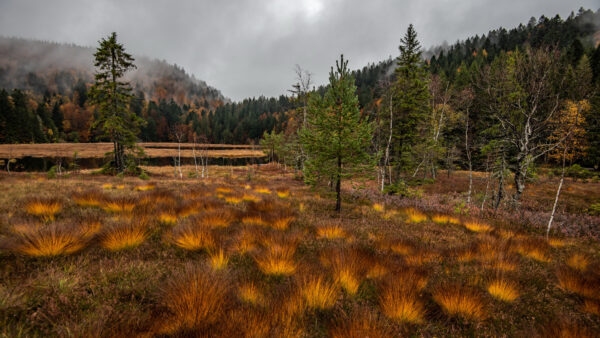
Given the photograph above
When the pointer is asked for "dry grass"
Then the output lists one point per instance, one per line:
(262, 190)
(563, 329)
(91, 198)
(119, 205)
(195, 298)
(218, 260)
(217, 219)
(283, 193)
(591, 306)
(577, 282)
(386, 278)
(331, 232)
(401, 304)
(44, 208)
(534, 248)
(378, 207)
(193, 237)
(277, 261)
(281, 220)
(251, 294)
(414, 215)
(460, 301)
(318, 292)
(503, 290)
(348, 267)
(123, 236)
(49, 240)
(477, 226)
(579, 262)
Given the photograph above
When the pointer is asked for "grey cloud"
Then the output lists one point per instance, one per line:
(249, 48)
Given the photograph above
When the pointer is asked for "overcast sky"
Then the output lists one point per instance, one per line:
(249, 48)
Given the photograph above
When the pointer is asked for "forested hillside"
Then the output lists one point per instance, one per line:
(52, 81)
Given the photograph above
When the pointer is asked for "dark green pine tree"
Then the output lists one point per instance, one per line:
(112, 96)
(336, 138)
(411, 102)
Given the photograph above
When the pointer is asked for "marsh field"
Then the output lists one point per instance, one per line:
(252, 251)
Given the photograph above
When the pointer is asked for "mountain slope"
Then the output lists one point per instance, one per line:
(40, 67)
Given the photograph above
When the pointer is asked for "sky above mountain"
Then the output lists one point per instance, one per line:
(249, 48)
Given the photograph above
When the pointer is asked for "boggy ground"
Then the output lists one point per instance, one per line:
(253, 252)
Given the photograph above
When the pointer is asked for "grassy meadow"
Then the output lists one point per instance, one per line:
(253, 252)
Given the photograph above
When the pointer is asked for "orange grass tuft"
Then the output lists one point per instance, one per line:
(89, 198)
(331, 232)
(562, 329)
(318, 293)
(251, 294)
(477, 226)
(440, 219)
(193, 237)
(107, 186)
(362, 324)
(217, 219)
(123, 236)
(557, 242)
(250, 198)
(460, 301)
(218, 260)
(167, 217)
(579, 262)
(348, 268)
(117, 205)
(591, 306)
(281, 220)
(278, 260)
(534, 248)
(503, 290)
(415, 216)
(582, 284)
(46, 209)
(401, 304)
(145, 187)
(233, 199)
(195, 299)
(378, 207)
(283, 193)
(262, 190)
(49, 241)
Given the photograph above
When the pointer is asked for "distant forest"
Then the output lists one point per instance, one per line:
(49, 102)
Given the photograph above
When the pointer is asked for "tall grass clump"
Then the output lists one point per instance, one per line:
(477, 226)
(217, 219)
(586, 285)
(348, 268)
(460, 301)
(579, 262)
(193, 237)
(250, 293)
(415, 216)
(49, 240)
(402, 304)
(195, 299)
(44, 208)
(277, 259)
(318, 293)
(359, 324)
(503, 290)
(331, 232)
(119, 205)
(91, 198)
(218, 259)
(124, 236)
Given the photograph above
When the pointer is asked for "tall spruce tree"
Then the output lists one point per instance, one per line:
(411, 101)
(112, 96)
(336, 139)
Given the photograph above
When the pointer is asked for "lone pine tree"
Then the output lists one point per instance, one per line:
(336, 139)
(112, 96)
